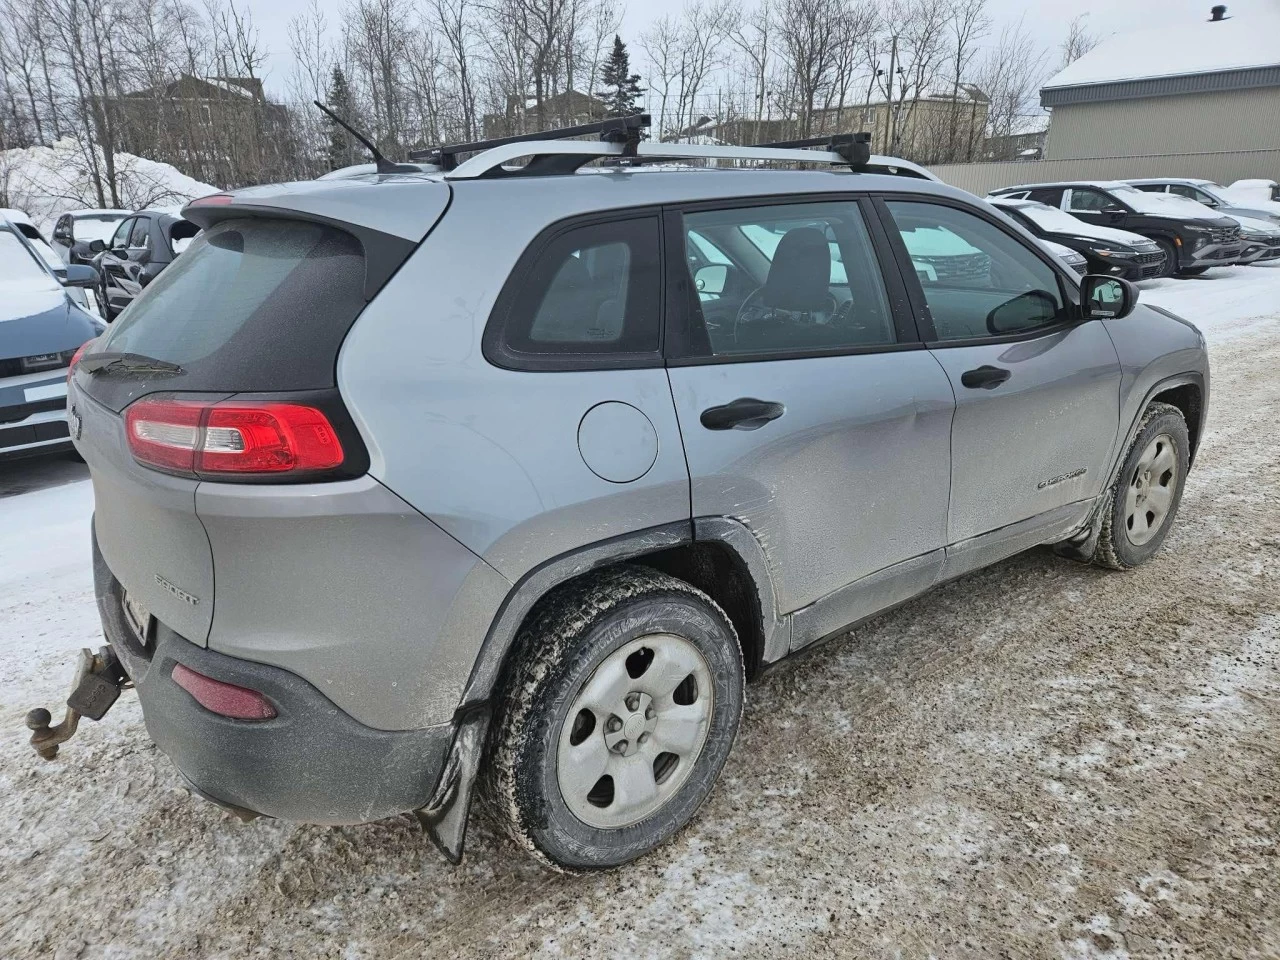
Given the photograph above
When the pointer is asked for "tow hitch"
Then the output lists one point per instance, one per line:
(98, 681)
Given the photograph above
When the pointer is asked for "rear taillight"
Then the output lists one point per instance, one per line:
(75, 358)
(232, 437)
(226, 699)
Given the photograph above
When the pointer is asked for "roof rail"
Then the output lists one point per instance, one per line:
(613, 130)
(855, 148)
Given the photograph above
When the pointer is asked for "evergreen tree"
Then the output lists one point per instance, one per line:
(621, 87)
(341, 148)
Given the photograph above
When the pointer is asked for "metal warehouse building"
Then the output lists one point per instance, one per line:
(1197, 98)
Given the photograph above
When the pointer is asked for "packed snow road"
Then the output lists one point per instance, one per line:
(1043, 759)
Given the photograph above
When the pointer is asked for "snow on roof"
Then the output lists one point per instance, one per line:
(99, 212)
(1179, 48)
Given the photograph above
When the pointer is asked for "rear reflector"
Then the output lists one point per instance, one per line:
(231, 437)
(226, 699)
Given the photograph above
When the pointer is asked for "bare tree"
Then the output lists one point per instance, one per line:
(1010, 74)
(1079, 40)
(751, 35)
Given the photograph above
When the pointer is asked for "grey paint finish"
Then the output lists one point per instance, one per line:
(492, 455)
(146, 525)
(738, 538)
(402, 205)
(1055, 417)
(868, 596)
(982, 551)
(850, 479)
(350, 588)
(617, 442)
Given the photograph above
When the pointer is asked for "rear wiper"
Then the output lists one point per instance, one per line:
(127, 363)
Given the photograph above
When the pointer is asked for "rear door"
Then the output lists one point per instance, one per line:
(1037, 392)
(808, 409)
(111, 264)
(133, 270)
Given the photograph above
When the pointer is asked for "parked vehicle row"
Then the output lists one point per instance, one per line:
(653, 435)
(1145, 228)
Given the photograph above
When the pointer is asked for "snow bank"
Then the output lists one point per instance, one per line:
(48, 181)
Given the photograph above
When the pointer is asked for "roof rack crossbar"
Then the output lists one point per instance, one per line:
(853, 148)
(624, 130)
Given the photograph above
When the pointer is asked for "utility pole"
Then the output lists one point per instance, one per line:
(890, 118)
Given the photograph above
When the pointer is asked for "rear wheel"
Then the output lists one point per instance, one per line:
(1170, 258)
(1144, 499)
(616, 720)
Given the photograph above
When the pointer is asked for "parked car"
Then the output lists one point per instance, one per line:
(75, 232)
(530, 505)
(24, 225)
(142, 246)
(1254, 192)
(1192, 238)
(1105, 249)
(1215, 197)
(1262, 239)
(1072, 258)
(41, 328)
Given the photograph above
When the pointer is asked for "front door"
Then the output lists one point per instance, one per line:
(1037, 392)
(808, 408)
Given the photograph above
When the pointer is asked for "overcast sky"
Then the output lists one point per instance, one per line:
(1046, 20)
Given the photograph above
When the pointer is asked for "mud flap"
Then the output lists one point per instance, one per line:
(444, 817)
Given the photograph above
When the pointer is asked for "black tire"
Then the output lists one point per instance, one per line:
(566, 637)
(1115, 548)
(1170, 258)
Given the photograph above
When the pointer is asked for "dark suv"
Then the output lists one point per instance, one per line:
(1105, 249)
(1192, 237)
(141, 247)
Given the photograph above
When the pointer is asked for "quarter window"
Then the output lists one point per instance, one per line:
(978, 281)
(784, 279)
(593, 290)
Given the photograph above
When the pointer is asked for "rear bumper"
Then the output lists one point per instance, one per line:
(312, 763)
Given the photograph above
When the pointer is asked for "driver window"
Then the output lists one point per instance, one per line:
(977, 280)
(1090, 201)
(120, 238)
(790, 278)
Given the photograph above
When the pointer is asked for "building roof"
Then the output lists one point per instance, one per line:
(1178, 56)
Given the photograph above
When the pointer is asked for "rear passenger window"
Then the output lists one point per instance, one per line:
(785, 279)
(592, 292)
(978, 281)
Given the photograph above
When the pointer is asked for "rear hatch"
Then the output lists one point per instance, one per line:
(249, 320)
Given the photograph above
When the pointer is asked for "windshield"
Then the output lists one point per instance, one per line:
(1052, 219)
(18, 268)
(1159, 204)
(97, 228)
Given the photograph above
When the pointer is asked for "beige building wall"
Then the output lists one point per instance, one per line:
(1185, 123)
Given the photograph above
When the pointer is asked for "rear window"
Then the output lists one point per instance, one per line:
(251, 305)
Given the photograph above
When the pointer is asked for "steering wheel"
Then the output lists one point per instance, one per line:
(752, 310)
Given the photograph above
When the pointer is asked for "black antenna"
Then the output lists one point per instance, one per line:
(382, 163)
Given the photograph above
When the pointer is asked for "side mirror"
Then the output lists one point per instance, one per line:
(1115, 213)
(711, 279)
(97, 246)
(1025, 311)
(1107, 298)
(79, 275)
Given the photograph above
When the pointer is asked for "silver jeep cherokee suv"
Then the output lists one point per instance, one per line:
(512, 477)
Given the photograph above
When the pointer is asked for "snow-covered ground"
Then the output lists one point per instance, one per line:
(46, 182)
(1042, 759)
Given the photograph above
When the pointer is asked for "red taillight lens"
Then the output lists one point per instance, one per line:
(75, 358)
(231, 437)
(226, 699)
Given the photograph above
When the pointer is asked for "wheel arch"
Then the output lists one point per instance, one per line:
(717, 555)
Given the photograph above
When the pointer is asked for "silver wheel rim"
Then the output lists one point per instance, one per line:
(635, 731)
(1149, 495)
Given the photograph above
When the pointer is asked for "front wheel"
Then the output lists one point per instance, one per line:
(1144, 499)
(1170, 258)
(616, 719)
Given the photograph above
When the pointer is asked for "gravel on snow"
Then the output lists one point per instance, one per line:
(1041, 759)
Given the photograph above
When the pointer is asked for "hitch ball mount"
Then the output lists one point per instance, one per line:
(98, 681)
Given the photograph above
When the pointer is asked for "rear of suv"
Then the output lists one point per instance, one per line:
(1192, 237)
(408, 483)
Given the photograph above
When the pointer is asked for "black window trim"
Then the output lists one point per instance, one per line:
(1068, 286)
(679, 353)
(493, 342)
